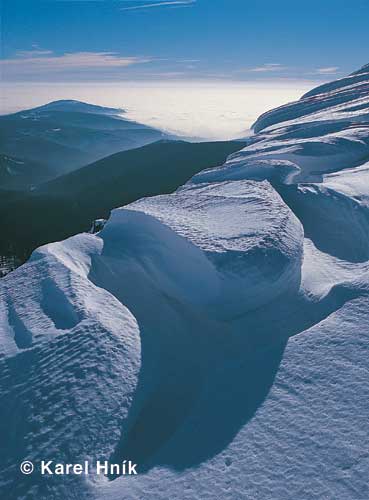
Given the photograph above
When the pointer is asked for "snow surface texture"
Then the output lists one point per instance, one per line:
(217, 336)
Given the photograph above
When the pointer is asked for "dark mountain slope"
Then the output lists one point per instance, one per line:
(69, 204)
(13, 169)
(65, 135)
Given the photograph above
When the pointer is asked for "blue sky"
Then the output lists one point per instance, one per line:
(113, 40)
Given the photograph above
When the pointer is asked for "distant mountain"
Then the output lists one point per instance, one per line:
(83, 107)
(64, 135)
(70, 203)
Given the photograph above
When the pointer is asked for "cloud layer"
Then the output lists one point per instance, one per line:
(266, 68)
(32, 61)
(42, 64)
(330, 70)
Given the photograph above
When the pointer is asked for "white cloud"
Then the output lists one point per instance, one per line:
(330, 70)
(33, 53)
(33, 61)
(168, 3)
(265, 68)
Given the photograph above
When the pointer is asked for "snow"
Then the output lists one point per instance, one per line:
(66, 347)
(217, 336)
(308, 439)
(250, 244)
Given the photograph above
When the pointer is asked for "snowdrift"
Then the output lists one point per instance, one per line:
(217, 336)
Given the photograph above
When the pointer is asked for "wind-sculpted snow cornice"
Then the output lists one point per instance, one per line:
(339, 92)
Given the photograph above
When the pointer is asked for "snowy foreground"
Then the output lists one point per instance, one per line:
(218, 336)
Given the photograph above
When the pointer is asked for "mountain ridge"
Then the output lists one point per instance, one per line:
(64, 135)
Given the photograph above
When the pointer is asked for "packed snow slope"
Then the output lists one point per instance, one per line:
(217, 336)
